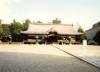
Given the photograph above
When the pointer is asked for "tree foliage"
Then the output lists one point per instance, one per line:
(26, 25)
(15, 28)
(56, 21)
(80, 30)
(1, 30)
(97, 37)
(83, 36)
(6, 30)
(96, 24)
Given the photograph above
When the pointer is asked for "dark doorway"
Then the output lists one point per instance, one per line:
(52, 37)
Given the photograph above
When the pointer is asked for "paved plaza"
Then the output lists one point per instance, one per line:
(40, 58)
(89, 53)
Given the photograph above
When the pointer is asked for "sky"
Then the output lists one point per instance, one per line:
(84, 13)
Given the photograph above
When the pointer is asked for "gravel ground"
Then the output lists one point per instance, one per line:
(39, 58)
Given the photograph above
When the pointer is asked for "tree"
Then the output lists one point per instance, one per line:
(1, 30)
(27, 21)
(4, 29)
(14, 21)
(26, 24)
(80, 30)
(83, 36)
(5, 32)
(96, 24)
(97, 37)
(56, 21)
(15, 29)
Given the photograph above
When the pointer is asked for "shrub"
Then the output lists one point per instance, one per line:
(97, 37)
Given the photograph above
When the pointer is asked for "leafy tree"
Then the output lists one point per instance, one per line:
(14, 21)
(27, 21)
(96, 24)
(1, 30)
(5, 32)
(83, 36)
(97, 37)
(26, 24)
(80, 30)
(15, 29)
(56, 21)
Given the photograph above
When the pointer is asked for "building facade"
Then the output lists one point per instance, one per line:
(51, 33)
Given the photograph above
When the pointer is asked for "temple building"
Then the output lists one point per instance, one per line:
(51, 33)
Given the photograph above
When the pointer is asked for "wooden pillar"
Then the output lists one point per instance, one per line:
(46, 39)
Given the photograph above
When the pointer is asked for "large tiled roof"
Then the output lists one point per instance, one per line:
(46, 28)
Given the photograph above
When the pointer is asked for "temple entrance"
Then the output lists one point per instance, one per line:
(52, 37)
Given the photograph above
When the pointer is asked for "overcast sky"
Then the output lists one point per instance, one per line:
(82, 12)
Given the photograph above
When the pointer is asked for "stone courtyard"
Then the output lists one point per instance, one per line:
(40, 58)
